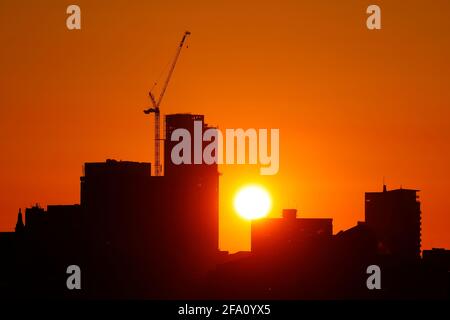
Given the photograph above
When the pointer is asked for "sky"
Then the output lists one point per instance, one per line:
(352, 105)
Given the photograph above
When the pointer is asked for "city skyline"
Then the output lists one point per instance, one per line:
(133, 232)
(353, 105)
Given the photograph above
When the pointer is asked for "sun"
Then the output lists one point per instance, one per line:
(252, 202)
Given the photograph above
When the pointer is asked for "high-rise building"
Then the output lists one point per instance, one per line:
(395, 218)
(196, 185)
(195, 125)
(133, 219)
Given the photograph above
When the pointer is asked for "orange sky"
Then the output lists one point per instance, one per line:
(352, 105)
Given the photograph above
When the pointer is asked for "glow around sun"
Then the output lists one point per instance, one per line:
(252, 202)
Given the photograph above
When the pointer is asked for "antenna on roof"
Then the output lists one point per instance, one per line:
(384, 185)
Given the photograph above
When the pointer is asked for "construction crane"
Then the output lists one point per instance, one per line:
(157, 103)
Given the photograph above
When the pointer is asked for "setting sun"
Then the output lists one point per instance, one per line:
(252, 202)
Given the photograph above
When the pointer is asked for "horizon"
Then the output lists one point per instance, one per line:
(352, 105)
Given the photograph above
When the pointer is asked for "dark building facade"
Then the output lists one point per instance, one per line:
(289, 232)
(144, 229)
(196, 183)
(135, 235)
(395, 218)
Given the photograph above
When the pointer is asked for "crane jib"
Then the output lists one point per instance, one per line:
(156, 107)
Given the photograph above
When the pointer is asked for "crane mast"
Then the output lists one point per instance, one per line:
(156, 103)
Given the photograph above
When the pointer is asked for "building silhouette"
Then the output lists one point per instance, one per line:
(20, 226)
(135, 235)
(139, 219)
(395, 217)
(289, 233)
